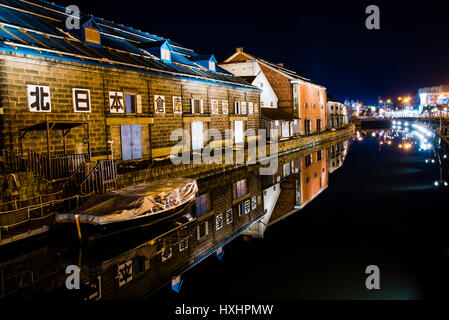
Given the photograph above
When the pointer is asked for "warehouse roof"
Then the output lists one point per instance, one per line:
(276, 114)
(38, 28)
(277, 67)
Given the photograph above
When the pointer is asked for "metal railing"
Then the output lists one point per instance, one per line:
(100, 179)
(55, 168)
(23, 220)
(13, 162)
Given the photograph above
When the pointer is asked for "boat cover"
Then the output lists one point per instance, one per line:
(132, 202)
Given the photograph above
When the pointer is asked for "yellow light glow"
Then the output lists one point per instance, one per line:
(389, 142)
(400, 98)
(400, 146)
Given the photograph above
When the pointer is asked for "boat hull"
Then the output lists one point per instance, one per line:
(133, 227)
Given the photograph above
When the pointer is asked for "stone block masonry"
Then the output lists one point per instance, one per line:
(167, 169)
(19, 70)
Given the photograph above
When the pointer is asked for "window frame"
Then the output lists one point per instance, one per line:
(243, 183)
(192, 106)
(198, 230)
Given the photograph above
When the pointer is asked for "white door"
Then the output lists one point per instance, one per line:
(197, 135)
(285, 129)
(238, 131)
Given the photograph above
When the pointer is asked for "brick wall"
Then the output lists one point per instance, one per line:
(17, 70)
(281, 86)
(314, 108)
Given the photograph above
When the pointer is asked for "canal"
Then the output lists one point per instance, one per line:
(381, 208)
(333, 210)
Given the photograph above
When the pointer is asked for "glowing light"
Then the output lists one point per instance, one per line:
(436, 183)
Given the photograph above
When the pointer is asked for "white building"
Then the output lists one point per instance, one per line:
(337, 114)
(272, 117)
(250, 72)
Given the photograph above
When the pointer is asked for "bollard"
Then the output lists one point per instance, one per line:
(77, 220)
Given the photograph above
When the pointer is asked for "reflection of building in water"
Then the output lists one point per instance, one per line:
(297, 182)
(227, 205)
(224, 208)
(336, 156)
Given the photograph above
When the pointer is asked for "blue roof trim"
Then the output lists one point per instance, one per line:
(129, 69)
(94, 22)
(118, 43)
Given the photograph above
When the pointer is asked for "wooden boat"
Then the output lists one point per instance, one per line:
(131, 208)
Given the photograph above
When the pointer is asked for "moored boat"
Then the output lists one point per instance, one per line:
(131, 208)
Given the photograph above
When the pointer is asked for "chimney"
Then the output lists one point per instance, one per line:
(280, 64)
(239, 49)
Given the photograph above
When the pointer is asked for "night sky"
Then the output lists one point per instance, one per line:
(326, 41)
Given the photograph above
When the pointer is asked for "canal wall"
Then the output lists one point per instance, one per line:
(134, 271)
(21, 187)
(166, 169)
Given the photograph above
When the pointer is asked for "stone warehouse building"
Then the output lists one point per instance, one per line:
(106, 90)
(290, 103)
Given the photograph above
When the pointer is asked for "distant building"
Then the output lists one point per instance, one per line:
(300, 102)
(353, 108)
(433, 96)
(337, 114)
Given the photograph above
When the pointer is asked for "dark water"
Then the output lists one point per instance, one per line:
(381, 207)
